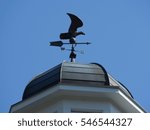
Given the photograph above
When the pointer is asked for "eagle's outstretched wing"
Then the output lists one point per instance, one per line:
(75, 23)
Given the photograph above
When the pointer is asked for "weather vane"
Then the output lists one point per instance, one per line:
(71, 36)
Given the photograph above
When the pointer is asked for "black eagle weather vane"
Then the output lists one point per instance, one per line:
(71, 36)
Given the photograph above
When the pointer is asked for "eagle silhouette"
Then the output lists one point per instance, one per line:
(72, 32)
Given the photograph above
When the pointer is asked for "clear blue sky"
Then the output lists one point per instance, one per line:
(119, 31)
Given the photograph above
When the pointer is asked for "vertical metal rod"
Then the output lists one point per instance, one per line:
(72, 54)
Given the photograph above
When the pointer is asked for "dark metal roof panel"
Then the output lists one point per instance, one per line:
(42, 82)
(83, 72)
